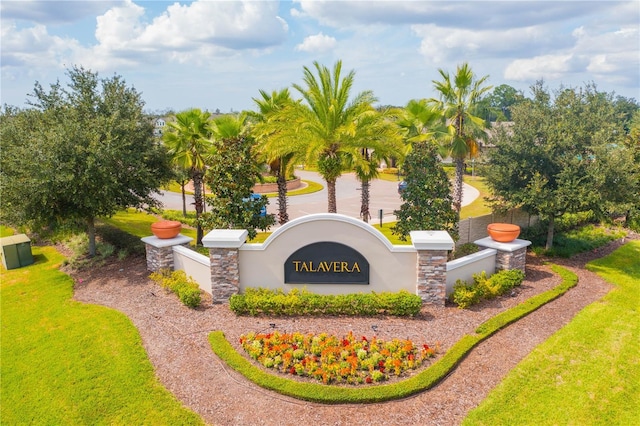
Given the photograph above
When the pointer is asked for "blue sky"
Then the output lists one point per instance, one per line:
(218, 54)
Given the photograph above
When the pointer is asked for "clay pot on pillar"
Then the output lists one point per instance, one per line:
(503, 232)
(166, 229)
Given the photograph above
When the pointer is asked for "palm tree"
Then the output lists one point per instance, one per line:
(277, 152)
(419, 121)
(458, 101)
(378, 140)
(327, 123)
(188, 142)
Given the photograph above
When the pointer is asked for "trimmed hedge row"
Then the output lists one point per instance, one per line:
(261, 301)
(425, 380)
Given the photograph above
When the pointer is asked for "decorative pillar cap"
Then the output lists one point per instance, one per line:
(166, 242)
(225, 238)
(514, 245)
(431, 240)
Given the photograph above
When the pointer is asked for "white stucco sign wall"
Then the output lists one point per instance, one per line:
(391, 267)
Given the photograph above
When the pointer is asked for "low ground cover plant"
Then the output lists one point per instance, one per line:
(331, 359)
(483, 287)
(581, 240)
(261, 301)
(185, 287)
(575, 233)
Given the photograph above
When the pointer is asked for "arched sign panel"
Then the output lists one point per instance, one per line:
(326, 263)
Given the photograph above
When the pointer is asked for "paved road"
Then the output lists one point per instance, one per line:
(384, 196)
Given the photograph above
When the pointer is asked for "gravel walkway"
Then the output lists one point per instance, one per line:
(175, 339)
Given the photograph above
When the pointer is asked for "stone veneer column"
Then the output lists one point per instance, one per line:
(223, 245)
(431, 263)
(511, 255)
(160, 251)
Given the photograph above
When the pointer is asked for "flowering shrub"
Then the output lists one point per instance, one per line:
(335, 360)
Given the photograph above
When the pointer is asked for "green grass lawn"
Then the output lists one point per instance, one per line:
(5, 231)
(65, 362)
(478, 207)
(588, 373)
(138, 223)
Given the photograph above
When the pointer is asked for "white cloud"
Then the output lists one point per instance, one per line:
(194, 33)
(440, 44)
(51, 12)
(317, 43)
(33, 47)
(610, 55)
(471, 15)
(227, 24)
(119, 26)
(551, 67)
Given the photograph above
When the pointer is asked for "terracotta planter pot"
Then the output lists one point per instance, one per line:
(166, 229)
(503, 232)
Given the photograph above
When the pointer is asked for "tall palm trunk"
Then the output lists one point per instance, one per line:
(331, 196)
(197, 195)
(364, 204)
(457, 185)
(330, 167)
(283, 216)
(184, 199)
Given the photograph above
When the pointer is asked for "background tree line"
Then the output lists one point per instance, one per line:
(87, 150)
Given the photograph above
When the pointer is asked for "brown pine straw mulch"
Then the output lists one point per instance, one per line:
(175, 338)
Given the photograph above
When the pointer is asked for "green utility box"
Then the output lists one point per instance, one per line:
(16, 251)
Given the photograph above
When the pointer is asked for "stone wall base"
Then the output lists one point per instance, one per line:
(160, 251)
(511, 255)
(225, 277)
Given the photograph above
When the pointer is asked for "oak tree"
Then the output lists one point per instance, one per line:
(80, 152)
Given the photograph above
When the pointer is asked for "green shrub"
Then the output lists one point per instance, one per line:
(483, 287)
(268, 179)
(122, 241)
(581, 240)
(537, 233)
(463, 250)
(507, 280)
(261, 301)
(633, 219)
(179, 283)
(464, 295)
(572, 236)
(79, 246)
